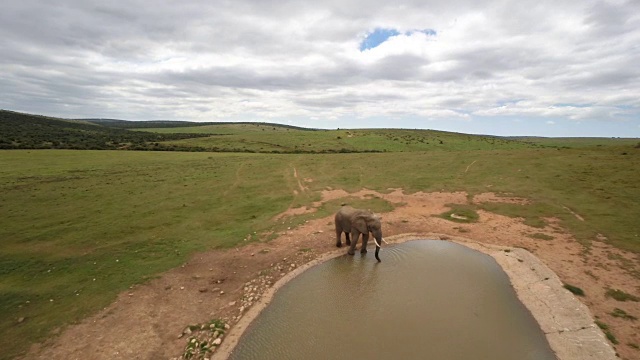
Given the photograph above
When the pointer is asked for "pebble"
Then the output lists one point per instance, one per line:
(217, 341)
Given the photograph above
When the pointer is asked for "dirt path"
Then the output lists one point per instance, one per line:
(147, 322)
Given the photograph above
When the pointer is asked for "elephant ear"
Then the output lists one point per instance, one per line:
(374, 220)
(360, 223)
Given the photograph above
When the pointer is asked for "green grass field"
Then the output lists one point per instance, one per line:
(77, 227)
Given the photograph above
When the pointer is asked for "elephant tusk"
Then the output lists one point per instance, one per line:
(385, 241)
(376, 241)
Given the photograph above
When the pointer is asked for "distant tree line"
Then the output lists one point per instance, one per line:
(24, 131)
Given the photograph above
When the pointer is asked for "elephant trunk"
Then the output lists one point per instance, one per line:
(377, 248)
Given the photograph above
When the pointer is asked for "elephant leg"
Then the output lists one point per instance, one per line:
(346, 234)
(365, 239)
(354, 236)
(338, 240)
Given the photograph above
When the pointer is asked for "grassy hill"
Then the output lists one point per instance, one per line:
(168, 124)
(263, 138)
(25, 131)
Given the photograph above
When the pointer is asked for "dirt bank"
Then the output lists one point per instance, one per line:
(149, 321)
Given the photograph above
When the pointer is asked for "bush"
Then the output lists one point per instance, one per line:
(619, 313)
(620, 295)
(574, 290)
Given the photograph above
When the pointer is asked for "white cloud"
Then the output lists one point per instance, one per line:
(201, 60)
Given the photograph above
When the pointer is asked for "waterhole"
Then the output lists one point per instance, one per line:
(427, 300)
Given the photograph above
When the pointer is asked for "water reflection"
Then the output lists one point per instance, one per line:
(426, 300)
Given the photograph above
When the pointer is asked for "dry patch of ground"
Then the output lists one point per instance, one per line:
(149, 321)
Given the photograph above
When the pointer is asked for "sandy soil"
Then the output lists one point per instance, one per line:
(149, 321)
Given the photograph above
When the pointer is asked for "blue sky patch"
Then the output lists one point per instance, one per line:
(379, 35)
(429, 32)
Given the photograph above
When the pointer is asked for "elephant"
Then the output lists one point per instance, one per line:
(355, 222)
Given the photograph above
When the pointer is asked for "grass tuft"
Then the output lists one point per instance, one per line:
(607, 332)
(574, 290)
(619, 313)
(620, 295)
(541, 236)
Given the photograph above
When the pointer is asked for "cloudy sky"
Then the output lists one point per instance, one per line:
(550, 68)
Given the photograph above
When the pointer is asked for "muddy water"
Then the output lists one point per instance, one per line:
(426, 300)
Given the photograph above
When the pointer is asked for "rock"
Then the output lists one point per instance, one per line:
(217, 342)
(221, 292)
(186, 331)
(203, 290)
(227, 327)
(21, 319)
(181, 287)
(232, 303)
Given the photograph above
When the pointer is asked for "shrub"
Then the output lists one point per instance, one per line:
(619, 313)
(574, 290)
(620, 295)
